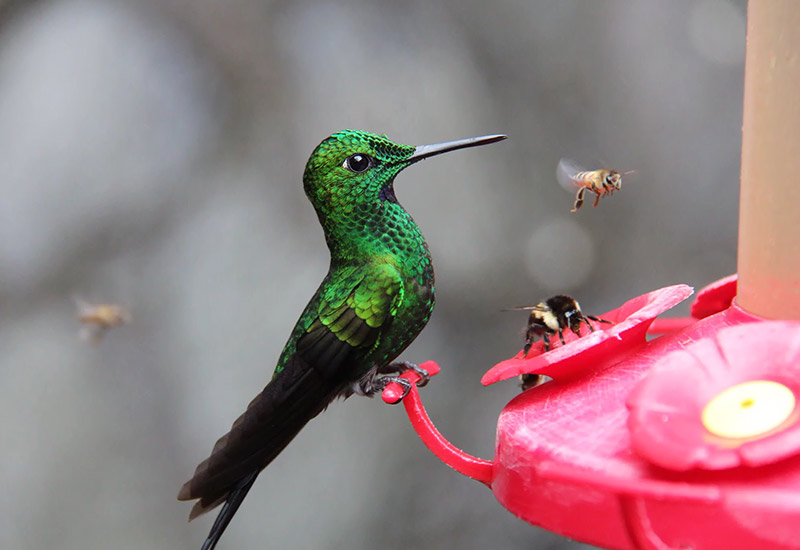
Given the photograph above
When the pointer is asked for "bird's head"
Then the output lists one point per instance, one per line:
(353, 167)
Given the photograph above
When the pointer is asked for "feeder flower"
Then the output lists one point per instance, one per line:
(608, 344)
(724, 401)
(715, 297)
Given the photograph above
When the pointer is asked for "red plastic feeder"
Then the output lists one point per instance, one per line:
(689, 440)
(686, 441)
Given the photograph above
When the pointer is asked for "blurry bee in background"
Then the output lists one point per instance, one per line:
(98, 318)
(601, 182)
(554, 316)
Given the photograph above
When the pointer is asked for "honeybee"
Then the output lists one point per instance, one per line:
(98, 318)
(601, 182)
(554, 316)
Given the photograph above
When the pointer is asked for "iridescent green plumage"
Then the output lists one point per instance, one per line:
(376, 298)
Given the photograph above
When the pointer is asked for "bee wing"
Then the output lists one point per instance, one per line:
(91, 334)
(82, 306)
(537, 307)
(565, 174)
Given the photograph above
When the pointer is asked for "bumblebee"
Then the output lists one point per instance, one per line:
(528, 381)
(98, 318)
(554, 316)
(600, 182)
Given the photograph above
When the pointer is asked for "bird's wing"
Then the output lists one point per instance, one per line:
(344, 321)
(353, 313)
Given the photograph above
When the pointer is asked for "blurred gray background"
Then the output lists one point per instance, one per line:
(151, 155)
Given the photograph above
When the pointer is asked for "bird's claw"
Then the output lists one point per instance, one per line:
(381, 383)
(424, 377)
(405, 366)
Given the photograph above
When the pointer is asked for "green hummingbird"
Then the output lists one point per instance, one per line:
(376, 298)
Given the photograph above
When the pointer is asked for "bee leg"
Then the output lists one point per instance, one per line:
(599, 320)
(561, 336)
(578, 199)
(596, 200)
(546, 339)
(530, 338)
(527, 348)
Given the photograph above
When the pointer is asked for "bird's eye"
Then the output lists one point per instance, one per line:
(358, 163)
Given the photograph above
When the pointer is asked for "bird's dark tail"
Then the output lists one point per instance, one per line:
(225, 515)
(295, 396)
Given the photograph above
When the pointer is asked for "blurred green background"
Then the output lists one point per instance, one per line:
(151, 155)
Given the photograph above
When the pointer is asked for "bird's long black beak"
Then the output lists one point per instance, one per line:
(425, 151)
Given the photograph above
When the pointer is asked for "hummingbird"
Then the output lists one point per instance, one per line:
(376, 298)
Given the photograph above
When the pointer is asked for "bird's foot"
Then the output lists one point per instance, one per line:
(404, 366)
(378, 384)
(377, 380)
